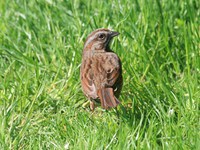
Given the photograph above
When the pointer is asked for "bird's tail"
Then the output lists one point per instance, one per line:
(107, 98)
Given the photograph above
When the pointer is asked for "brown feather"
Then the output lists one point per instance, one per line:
(101, 71)
(107, 98)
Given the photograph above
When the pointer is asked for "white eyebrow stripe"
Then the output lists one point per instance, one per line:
(91, 38)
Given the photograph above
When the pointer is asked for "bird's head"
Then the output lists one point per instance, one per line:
(99, 40)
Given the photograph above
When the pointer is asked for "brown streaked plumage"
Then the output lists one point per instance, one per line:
(101, 71)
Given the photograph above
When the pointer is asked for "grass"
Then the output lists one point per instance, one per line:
(40, 54)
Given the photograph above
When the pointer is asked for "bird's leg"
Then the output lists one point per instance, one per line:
(92, 105)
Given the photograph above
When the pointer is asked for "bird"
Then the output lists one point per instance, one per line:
(101, 70)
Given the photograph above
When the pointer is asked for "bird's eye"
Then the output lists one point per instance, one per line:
(101, 36)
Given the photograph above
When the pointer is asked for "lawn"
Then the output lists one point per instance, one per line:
(41, 102)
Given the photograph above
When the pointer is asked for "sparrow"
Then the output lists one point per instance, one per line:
(101, 70)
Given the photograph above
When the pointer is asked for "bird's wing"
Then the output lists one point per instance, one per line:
(87, 77)
(106, 68)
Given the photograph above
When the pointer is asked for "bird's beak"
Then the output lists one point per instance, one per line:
(114, 33)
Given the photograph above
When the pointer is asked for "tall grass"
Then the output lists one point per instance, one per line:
(41, 103)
